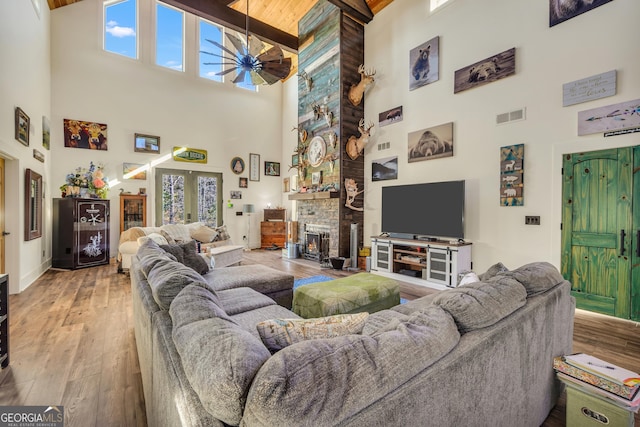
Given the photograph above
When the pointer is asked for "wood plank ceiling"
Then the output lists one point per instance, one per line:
(281, 14)
(273, 21)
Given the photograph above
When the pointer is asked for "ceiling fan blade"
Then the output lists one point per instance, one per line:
(273, 54)
(256, 79)
(215, 43)
(275, 70)
(225, 72)
(255, 46)
(240, 77)
(238, 44)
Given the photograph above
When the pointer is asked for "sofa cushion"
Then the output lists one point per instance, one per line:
(239, 300)
(149, 254)
(218, 357)
(330, 380)
(481, 304)
(537, 277)
(203, 234)
(186, 253)
(384, 320)
(167, 278)
(496, 268)
(197, 303)
(277, 334)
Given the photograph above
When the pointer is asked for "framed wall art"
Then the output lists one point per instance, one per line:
(424, 63)
(384, 169)
(271, 168)
(431, 143)
(563, 10)
(243, 182)
(254, 167)
(46, 133)
(488, 70)
(235, 194)
(22, 127)
(146, 144)
(512, 175)
(237, 165)
(390, 116)
(81, 134)
(133, 171)
(613, 117)
(32, 205)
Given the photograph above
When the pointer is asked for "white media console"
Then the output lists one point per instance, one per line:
(435, 264)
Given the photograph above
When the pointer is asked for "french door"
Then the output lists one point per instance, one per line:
(601, 230)
(188, 196)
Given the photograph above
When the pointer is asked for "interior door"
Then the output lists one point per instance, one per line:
(597, 229)
(188, 196)
(2, 224)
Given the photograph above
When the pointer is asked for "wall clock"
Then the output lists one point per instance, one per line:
(254, 167)
(316, 151)
(237, 165)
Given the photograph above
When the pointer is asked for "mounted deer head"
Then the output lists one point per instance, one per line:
(322, 110)
(356, 92)
(308, 81)
(355, 146)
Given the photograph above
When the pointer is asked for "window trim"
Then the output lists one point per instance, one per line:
(105, 5)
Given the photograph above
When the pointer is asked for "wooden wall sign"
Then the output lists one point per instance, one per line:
(594, 87)
(625, 115)
(192, 155)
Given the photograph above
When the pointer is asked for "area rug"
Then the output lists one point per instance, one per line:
(312, 279)
(320, 278)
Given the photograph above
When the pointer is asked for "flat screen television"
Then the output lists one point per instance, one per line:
(424, 210)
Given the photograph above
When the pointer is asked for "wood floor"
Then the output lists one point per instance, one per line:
(72, 343)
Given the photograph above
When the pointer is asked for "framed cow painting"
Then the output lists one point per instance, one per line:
(81, 134)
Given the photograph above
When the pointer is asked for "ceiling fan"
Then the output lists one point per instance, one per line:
(265, 66)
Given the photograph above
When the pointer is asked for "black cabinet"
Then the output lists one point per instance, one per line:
(80, 233)
(4, 320)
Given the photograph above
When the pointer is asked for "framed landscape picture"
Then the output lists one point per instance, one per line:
(146, 144)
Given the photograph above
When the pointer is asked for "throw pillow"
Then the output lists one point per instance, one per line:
(156, 237)
(203, 234)
(186, 253)
(537, 277)
(178, 232)
(223, 234)
(277, 334)
(149, 254)
(492, 271)
(470, 277)
(132, 234)
(481, 304)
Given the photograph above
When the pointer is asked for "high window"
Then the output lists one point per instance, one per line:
(169, 37)
(437, 3)
(210, 53)
(120, 24)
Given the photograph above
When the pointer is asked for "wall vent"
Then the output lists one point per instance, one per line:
(384, 146)
(511, 116)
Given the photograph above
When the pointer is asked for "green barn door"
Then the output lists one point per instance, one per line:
(597, 229)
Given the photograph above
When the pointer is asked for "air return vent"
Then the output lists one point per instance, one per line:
(511, 116)
(384, 146)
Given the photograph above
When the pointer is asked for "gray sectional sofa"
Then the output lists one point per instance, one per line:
(477, 355)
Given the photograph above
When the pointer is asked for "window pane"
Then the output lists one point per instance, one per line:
(120, 28)
(208, 200)
(172, 199)
(209, 52)
(169, 37)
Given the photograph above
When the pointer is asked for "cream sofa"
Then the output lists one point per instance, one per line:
(216, 244)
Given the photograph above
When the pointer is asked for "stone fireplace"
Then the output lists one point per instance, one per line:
(317, 239)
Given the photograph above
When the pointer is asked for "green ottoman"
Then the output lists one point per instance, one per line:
(354, 294)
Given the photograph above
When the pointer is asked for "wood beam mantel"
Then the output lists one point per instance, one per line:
(217, 11)
(358, 9)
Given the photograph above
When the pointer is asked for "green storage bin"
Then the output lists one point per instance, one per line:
(586, 410)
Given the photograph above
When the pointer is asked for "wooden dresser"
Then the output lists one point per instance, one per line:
(273, 230)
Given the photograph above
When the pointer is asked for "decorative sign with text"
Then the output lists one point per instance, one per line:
(594, 87)
(193, 155)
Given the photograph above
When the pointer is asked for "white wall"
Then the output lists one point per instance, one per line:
(592, 43)
(137, 96)
(24, 83)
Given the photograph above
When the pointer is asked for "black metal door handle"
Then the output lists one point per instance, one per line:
(622, 234)
(638, 244)
(6, 233)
